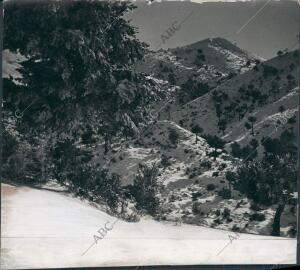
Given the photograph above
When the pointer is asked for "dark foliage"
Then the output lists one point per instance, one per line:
(145, 189)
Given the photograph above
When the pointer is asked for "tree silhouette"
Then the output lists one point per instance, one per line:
(222, 125)
(280, 53)
(272, 180)
(252, 120)
(173, 136)
(215, 142)
(172, 78)
(281, 109)
(230, 177)
(197, 130)
(146, 187)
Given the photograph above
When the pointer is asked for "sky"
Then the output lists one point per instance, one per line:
(262, 27)
(203, 1)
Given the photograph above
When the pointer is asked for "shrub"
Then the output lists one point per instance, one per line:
(145, 188)
(173, 136)
(235, 228)
(255, 207)
(192, 175)
(257, 217)
(87, 136)
(292, 232)
(196, 208)
(133, 218)
(292, 120)
(195, 195)
(217, 221)
(225, 193)
(210, 187)
(292, 201)
(165, 161)
(215, 174)
(206, 164)
(269, 71)
(226, 212)
(214, 141)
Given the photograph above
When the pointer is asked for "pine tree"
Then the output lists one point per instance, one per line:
(252, 119)
(197, 130)
(146, 187)
(78, 73)
(281, 109)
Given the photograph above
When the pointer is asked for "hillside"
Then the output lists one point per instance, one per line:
(193, 180)
(208, 61)
(191, 176)
(178, 147)
(179, 160)
(242, 96)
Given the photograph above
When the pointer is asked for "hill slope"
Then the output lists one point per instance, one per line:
(241, 96)
(209, 61)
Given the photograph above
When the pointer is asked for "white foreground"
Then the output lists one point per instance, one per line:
(43, 229)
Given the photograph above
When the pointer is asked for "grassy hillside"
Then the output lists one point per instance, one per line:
(236, 99)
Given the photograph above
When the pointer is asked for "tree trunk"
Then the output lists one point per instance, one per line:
(105, 145)
(276, 221)
(196, 138)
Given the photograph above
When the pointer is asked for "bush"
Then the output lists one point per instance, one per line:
(173, 136)
(292, 201)
(292, 232)
(292, 120)
(269, 71)
(165, 161)
(225, 193)
(226, 213)
(257, 217)
(215, 174)
(23, 162)
(87, 136)
(103, 184)
(206, 164)
(217, 221)
(255, 207)
(214, 141)
(196, 208)
(145, 189)
(235, 228)
(195, 195)
(210, 187)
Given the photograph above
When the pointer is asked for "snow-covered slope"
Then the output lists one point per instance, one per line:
(42, 228)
